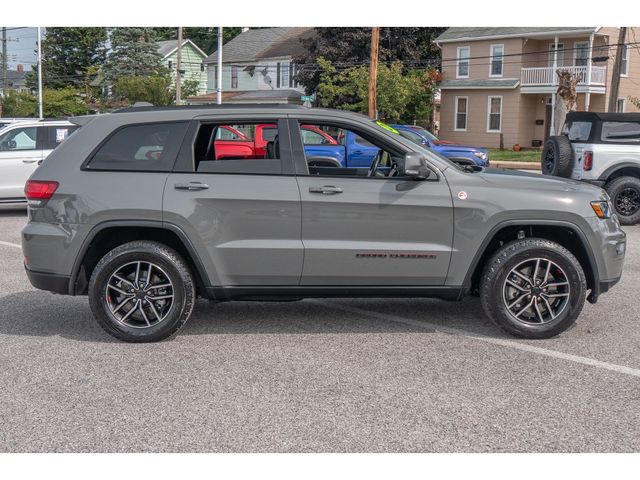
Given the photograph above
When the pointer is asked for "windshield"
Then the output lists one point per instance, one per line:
(414, 137)
(426, 133)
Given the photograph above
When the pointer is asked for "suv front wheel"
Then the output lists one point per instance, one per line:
(141, 291)
(533, 288)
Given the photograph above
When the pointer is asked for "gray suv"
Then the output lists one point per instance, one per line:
(146, 209)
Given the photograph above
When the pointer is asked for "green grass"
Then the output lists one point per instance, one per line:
(496, 155)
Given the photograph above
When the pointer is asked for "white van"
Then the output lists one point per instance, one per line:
(22, 145)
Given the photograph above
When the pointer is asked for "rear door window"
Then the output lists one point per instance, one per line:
(215, 151)
(145, 147)
(621, 132)
(55, 135)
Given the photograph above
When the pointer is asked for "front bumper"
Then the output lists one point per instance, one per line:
(49, 281)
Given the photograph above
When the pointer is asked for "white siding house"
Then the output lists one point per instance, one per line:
(257, 67)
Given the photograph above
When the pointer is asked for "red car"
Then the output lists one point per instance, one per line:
(230, 142)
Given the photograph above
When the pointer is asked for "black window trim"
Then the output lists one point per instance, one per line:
(185, 162)
(299, 157)
(85, 165)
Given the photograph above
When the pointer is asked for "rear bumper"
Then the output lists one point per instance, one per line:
(49, 281)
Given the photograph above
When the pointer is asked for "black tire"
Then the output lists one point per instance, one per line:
(170, 268)
(494, 288)
(625, 197)
(557, 158)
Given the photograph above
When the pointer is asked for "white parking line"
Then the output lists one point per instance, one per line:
(9, 244)
(483, 338)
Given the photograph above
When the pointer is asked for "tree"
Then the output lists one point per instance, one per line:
(349, 47)
(68, 53)
(566, 97)
(57, 103)
(190, 87)
(133, 53)
(136, 88)
(400, 95)
(204, 37)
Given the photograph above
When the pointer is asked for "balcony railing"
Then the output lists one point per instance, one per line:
(546, 76)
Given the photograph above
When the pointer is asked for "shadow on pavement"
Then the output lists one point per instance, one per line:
(42, 314)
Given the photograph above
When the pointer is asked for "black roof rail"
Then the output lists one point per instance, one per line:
(212, 106)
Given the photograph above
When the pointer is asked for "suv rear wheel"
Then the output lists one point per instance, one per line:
(141, 291)
(625, 196)
(533, 288)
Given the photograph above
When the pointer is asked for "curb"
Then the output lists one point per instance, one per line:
(516, 165)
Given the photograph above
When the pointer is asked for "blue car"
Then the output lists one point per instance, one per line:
(458, 153)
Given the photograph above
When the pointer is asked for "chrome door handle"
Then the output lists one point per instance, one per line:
(325, 190)
(29, 160)
(191, 186)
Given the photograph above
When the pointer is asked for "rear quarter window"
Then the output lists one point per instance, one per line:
(621, 132)
(579, 131)
(144, 147)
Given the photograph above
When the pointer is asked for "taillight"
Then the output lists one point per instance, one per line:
(587, 160)
(39, 191)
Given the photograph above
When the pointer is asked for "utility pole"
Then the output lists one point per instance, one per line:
(219, 72)
(178, 68)
(373, 71)
(617, 69)
(39, 74)
(4, 62)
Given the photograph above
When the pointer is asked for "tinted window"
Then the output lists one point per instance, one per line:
(214, 154)
(414, 137)
(19, 139)
(151, 146)
(363, 142)
(622, 132)
(55, 135)
(579, 131)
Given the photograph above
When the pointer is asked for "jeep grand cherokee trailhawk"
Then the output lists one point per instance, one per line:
(139, 211)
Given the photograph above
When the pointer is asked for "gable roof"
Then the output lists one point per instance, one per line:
(167, 47)
(456, 34)
(260, 43)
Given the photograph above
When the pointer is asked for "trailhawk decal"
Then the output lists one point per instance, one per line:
(424, 256)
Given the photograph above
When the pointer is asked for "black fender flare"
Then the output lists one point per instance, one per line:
(157, 224)
(593, 264)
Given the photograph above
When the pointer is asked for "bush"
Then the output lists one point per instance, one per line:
(56, 103)
(153, 89)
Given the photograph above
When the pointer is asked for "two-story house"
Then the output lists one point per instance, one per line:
(257, 67)
(192, 62)
(502, 81)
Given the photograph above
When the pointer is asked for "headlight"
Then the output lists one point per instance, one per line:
(480, 155)
(602, 209)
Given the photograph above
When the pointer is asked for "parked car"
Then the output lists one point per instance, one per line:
(602, 149)
(144, 235)
(22, 145)
(4, 121)
(458, 153)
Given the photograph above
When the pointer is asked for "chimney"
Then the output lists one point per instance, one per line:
(244, 29)
(20, 68)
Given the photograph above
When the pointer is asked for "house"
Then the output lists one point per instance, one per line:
(257, 67)
(16, 81)
(192, 61)
(502, 82)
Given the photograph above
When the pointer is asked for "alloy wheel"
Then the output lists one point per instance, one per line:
(536, 291)
(628, 201)
(139, 294)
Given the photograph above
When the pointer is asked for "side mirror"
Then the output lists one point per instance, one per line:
(415, 167)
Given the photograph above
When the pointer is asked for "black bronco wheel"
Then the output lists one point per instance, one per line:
(141, 291)
(557, 159)
(625, 197)
(533, 288)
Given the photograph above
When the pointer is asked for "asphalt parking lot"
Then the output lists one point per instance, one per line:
(372, 375)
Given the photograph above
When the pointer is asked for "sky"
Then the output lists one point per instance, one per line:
(21, 46)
